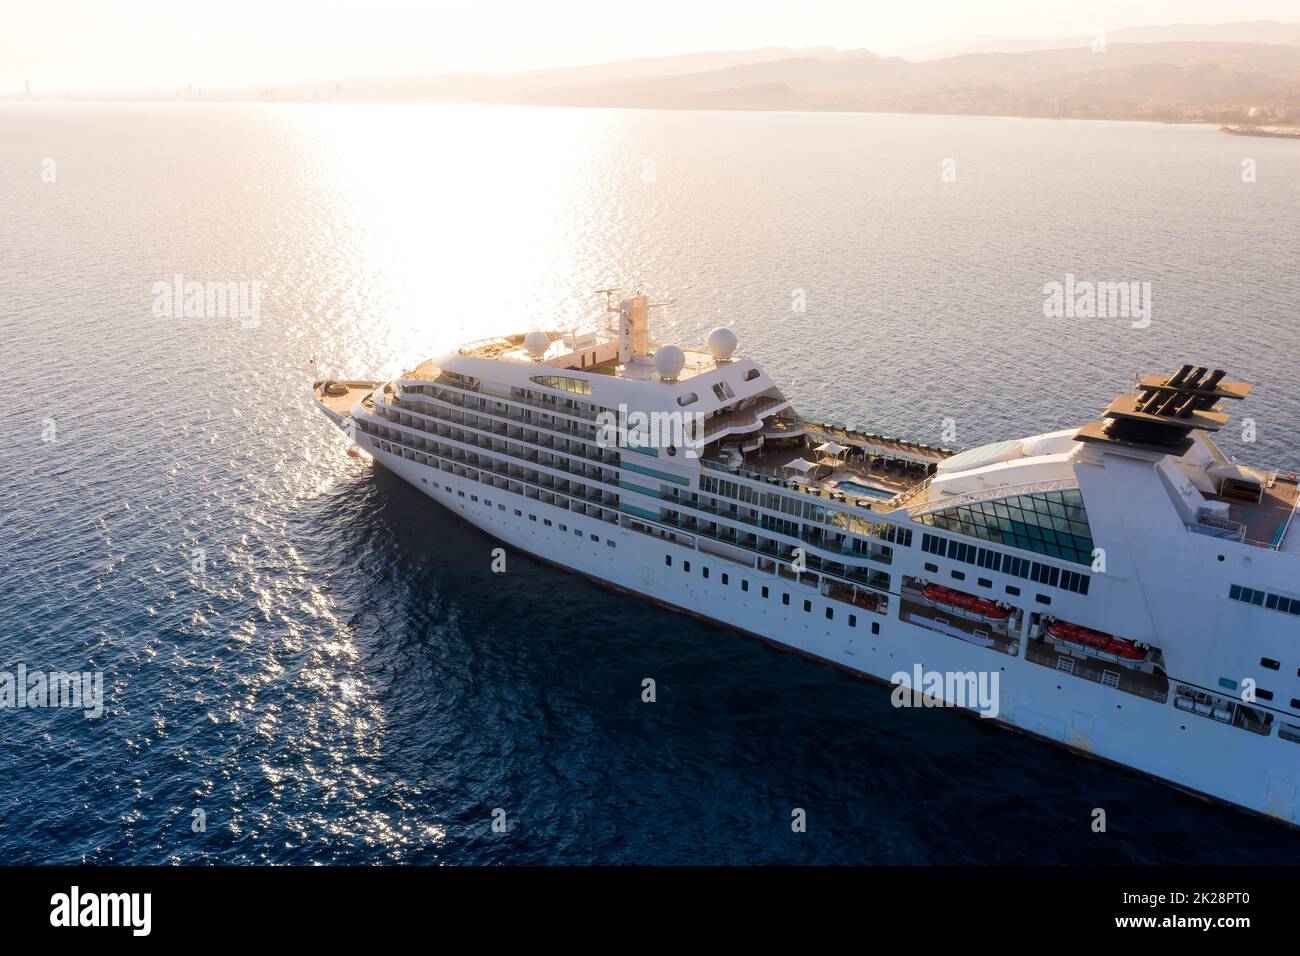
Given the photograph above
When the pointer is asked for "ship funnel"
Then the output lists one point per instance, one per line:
(633, 328)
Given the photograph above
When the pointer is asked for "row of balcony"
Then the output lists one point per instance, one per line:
(833, 543)
(817, 536)
(504, 413)
(495, 431)
(471, 388)
(521, 481)
(605, 505)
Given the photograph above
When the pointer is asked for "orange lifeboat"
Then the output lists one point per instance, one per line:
(965, 604)
(1096, 643)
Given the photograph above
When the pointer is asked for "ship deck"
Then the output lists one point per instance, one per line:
(879, 446)
(1266, 521)
(342, 403)
(887, 478)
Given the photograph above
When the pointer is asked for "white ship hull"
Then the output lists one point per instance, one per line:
(1158, 739)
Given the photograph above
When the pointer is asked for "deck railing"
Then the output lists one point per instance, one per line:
(749, 415)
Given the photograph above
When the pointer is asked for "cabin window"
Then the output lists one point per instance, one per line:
(765, 590)
(932, 568)
(785, 598)
(744, 585)
(875, 627)
(853, 620)
(1269, 663)
(830, 614)
(704, 571)
(807, 607)
(985, 583)
(751, 375)
(959, 575)
(725, 579)
(668, 560)
(1042, 599)
(1013, 590)
(1274, 602)
(686, 567)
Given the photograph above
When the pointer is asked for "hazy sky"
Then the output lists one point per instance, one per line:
(87, 44)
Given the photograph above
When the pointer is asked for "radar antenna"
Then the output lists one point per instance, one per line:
(609, 295)
(611, 308)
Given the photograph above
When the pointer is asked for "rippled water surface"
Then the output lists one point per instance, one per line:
(303, 647)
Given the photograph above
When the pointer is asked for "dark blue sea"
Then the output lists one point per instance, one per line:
(316, 657)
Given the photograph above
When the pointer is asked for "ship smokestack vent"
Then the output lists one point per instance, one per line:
(1161, 417)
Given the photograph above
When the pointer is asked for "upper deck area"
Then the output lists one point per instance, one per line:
(596, 352)
(1171, 419)
(872, 471)
(1265, 523)
(337, 397)
(510, 348)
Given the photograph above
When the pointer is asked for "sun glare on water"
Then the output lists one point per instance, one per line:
(395, 174)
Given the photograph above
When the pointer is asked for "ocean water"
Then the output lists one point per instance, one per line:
(316, 657)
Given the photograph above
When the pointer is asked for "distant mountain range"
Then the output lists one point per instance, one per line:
(1185, 72)
(1256, 31)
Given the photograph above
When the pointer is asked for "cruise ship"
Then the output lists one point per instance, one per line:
(1134, 591)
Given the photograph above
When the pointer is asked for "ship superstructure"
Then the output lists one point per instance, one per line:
(1136, 591)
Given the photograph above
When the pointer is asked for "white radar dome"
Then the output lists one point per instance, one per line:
(536, 343)
(722, 344)
(669, 361)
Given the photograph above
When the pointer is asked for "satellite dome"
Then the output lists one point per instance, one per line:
(722, 344)
(669, 361)
(536, 343)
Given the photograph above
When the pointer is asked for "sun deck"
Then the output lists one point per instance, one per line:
(1264, 523)
(871, 481)
(338, 397)
(566, 350)
(596, 352)
(879, 446)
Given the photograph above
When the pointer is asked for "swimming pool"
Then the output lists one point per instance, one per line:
(864, 490)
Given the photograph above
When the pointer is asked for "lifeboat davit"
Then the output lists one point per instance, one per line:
(968, 605)
(1107, 647)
